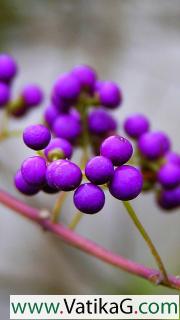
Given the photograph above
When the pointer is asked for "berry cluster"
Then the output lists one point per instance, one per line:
(78, 115)
(80, 102)
(52, 171)
(160, 166)
(30, 96)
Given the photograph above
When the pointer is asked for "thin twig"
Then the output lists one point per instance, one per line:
(75, 220)
(58, 206)
(77, 241)
(147, 239)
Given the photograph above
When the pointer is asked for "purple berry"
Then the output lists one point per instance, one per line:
(110, 95)
(153, 145)
(74, 113)
(8, 68)
(118, 149)
(61, 145)
(63, 175)
(89, 198)
(67, 127)
(61, 105)
(101, 122)
(99, 170)
(173, 157)
(49, 190)
(4, 94)
(135, 125)
(33, 170)
(98, 85)
(169, 199)
(51, 113)
(23, 186)
(169, 175)
(127, 183)
(32, 95)
(86, 76)
(36, 136)
(67, 88)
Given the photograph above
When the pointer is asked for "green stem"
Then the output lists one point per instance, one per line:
(146, 237)
(57, 207)
(5, 122)
(75, 220)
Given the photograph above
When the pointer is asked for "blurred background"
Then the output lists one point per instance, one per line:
(137, 44)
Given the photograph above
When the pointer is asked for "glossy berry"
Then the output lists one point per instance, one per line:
(74, 113)
(64, 175)
(169, 175)
(33, 170)
(8, 68)
(89, 198)
(51, 113)
(169, 199)
(127, 183)
(153, 145)
(58, 145)
(61, 105)
(173, 157)
(36, 136)
(67, 127)
(32, 95)
(23, 186)
(49, 190)
(4, 94)
(135, 125)
(118, 149)
(110, 95)
(101, 122)
(99, 170)
(67, 88)
(86, 76)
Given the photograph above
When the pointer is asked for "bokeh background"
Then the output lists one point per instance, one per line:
(137, 44)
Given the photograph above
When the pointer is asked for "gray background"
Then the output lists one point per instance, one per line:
(137, 44)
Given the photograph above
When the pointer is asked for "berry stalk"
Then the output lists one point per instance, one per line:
(75, 220)
(58, 206)
(146, 237)
(77, 241)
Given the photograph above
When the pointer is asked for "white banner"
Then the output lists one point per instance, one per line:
(94, 307)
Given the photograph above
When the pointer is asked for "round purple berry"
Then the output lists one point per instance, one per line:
(33, 170)
(58, 145)
(173, 157)
(67, 127)
(67, 87)
(61, 105)
(4, 94)
(63, 175)
(101, 122)
(86, 76)
(32, 95)
(36, 136)
(110, 95)
(23, 186)
(169, 199)
(153, 145)
(99, 170)
(135, 125)
(169, 175)
(126, 183)
(89, 198)
(118, 149)
(49, 190)
(8, 68)
(51, 113)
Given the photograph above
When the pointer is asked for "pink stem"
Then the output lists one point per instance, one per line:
(86, 245)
